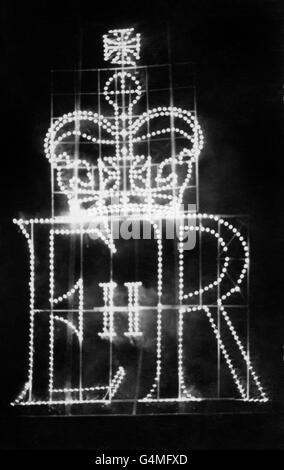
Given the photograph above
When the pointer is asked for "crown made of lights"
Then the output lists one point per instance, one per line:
(123, 179)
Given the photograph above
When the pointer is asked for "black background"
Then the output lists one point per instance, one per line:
(238, 49)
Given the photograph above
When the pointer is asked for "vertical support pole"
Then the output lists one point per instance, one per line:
(218, 316)
(196, 158)
(81, 315)
(150, 200)
(200, 260)
(110, 370)
(123, 131)
(158, 235)
(77, 106)
(52, 147)
(51, 255)
(117, 137)
(172, 120)
(100, 142)
(198, 202)
(248, 314)
(51, 317)
(180, 311)
(32, 313)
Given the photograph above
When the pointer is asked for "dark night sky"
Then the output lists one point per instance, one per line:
(238, 49)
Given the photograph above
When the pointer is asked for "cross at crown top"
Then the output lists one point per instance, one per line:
(122, 46)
